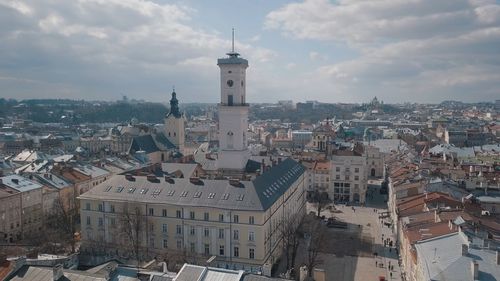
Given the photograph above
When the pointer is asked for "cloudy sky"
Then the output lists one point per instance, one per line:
(330, 51)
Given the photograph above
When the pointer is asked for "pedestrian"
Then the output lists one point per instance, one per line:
(390, 274)
(376, 263)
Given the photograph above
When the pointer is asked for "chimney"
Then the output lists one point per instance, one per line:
(475, 270)
(465, 250)
(497, 257)
(57, 272)
(151, 178)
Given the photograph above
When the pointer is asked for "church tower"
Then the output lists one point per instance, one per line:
(233, 112)
(174, 124)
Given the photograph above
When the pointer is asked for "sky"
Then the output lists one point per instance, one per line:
(330, 51)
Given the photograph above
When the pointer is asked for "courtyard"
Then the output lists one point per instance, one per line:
(356, 252)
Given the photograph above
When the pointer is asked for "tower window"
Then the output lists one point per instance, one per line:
(169, 134)
(175, 134)
(229, 71)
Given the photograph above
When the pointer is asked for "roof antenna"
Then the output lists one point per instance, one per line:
(232, 49)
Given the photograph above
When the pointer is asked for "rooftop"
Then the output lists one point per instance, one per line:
(19, 183)
(258, 194)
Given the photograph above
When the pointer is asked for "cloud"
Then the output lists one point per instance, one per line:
(409, 49)
(106, 48)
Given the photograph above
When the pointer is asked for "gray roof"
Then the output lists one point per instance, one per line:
(442, 259)
(186, 169)
(35, 273)
(232, 60)
(151, 143)
(191, 272)
(258, 194)
(19, 183)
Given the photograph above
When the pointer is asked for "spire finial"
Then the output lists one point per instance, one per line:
(173, 88)
(232, 46)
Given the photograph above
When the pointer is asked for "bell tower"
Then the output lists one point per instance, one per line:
(174, 124)
(233, 112)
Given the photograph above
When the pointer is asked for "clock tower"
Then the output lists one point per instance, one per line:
(233, 112)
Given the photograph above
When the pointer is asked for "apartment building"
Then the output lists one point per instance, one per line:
(348, 180)
(235, 221)
(21, 208)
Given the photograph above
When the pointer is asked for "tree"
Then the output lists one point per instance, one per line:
(321, 199)
(63, 220)
(290, 233)
(316, 235)
(132, 225)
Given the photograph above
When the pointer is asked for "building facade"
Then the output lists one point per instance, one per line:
(236, 221)
(349, 175)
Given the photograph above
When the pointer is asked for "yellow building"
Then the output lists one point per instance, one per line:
(236, 221)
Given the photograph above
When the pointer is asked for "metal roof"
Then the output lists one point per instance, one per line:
(259, 194)
(19, 183)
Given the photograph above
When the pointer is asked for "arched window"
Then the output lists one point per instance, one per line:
(230, 140)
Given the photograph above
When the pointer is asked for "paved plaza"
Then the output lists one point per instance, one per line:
(349, 254)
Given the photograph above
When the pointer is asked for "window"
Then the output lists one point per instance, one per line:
(356, 178)
(99, 207)
(221, 233)
(191, 215)
(87, 206)
(236, 252)
(251, 236)
(178, 213)
(221, 250)
(236, 219)
(337, 177)
(178, 229)
(206, 231)
(165, 243)
(179, 244)
(337, 169)
(207, 249)
(356, 170)
(113, 222)
(251, 220)
(152, 227)
(236, 234)
(88, 220)
(165, 228)
(192, 230)
(164, 212)
(100, 222)
(151, 242)
(191, 247)
(221, 217)
(346, 178)
(112, 208)
(206, 216)
(151, 211)
(251, 253)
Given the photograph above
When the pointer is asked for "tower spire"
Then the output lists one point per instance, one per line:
(232, 46)
(232, 54)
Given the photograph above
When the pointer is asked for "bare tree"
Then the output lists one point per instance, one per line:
(290, 233)
(321, 199)
(63, 221)
(316, 234)
(132, 225)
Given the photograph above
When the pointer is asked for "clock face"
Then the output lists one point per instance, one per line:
(230, 83)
